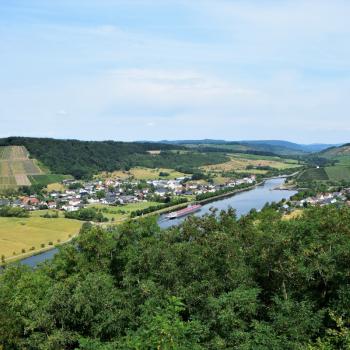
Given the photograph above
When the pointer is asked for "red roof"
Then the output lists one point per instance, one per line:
(31, 200)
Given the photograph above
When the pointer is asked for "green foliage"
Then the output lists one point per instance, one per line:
(82, 159)
(216, 282)
(164, 328)
(7, 211)
(163, 174)
(86, 214)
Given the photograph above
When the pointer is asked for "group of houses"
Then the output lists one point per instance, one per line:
(118, 192)
(322, 199)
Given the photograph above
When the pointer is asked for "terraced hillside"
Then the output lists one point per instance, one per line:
(15, 167)
(331, 173)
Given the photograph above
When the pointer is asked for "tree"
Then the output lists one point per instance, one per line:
(162, 328)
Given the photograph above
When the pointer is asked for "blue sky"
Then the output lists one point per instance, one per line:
(151, 70)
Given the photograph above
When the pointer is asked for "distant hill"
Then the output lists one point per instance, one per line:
(308, 148)
(278, 147)
(339, 151)
(85, 158)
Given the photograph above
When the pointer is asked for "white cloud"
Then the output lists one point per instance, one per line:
(234, 69)
(62, 112)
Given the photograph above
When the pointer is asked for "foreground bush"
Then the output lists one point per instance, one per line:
(213, 283)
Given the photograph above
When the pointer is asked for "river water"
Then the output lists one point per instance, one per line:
(243, 202)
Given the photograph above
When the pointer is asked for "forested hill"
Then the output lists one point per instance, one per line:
(85, 158)
(260, 282)
(278, 147)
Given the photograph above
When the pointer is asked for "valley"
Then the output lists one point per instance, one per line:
(118, 193)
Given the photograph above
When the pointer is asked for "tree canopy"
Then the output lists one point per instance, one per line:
(218, 282)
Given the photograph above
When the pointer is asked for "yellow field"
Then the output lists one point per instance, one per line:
(55, 187)
(220, 180)
(139, 173)
(24, 233)
(239, 164)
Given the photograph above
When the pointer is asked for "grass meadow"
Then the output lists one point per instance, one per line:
(239, 163)
(24, 235)
(140, 173)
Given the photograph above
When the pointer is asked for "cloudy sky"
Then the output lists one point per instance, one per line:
(176, 69)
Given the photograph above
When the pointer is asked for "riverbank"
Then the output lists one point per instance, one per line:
(242, 200)
(20, 257)
(23, 237)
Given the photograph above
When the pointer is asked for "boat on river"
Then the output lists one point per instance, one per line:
(183, 212)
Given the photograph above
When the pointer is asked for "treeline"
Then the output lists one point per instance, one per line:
(153, 208)
(238, 151)
(218, 282)
(7, 211)
(82, 159)
(86, 214)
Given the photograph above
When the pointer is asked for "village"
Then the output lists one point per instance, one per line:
(338, 198)
(117, 192)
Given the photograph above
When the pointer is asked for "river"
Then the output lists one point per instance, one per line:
(243, 202)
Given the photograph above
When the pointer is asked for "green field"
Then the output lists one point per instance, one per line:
(313, 174)
(122, 212)
(47, 179)
(17, 234)
(343, 160)
(338, 173)
(331, 173)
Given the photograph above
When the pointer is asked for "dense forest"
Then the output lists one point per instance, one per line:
(218, 282)
(82, 159)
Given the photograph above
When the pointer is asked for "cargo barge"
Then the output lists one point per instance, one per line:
(183, 212)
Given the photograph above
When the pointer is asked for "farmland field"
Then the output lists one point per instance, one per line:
(239, 163)
(331, 173)
(338, 173)
(141, 173)
(46, 179)
(313, 174)
(15, 167)
(24, 233)
(122, 212)
(343, 160)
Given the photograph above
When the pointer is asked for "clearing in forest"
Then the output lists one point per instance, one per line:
(251, 164)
